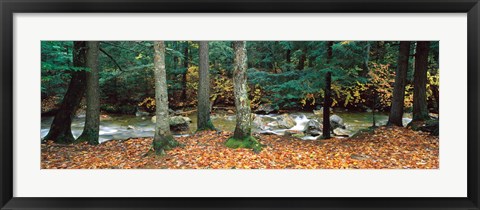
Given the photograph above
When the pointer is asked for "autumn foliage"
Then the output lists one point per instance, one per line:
(383, 148)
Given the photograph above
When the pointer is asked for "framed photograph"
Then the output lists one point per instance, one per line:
(239, 104)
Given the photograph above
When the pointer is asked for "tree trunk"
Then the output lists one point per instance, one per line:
(303, 58)
(175, 58)
(92, 117)
(436, 96)
(242, 134)
(163, 139)
(365, 68)
(326, 106)
(329, 51)
(60, 130)
(396, 110)
(204, 122)
(420, 110)
(184, 76)
(289, 56)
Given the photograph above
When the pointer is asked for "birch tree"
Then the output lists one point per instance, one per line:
(163, 139)
(242, 137)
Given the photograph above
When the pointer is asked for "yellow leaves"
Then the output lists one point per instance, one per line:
(222, 89)
(309, 97)
(256, 96)
(148, 103)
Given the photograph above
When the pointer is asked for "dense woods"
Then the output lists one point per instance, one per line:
(293, 104)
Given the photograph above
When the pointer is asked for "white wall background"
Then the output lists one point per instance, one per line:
(449, 180)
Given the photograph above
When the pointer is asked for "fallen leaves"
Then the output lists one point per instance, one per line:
(386, 147)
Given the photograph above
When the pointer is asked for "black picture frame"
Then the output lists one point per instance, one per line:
(9, 7)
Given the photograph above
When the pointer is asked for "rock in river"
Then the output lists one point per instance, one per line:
(178, 124)
(336, 122)
(313, 128)
(265, 109)
(294, 133)
(285, 121)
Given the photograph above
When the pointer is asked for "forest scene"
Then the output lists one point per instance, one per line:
(240, 104)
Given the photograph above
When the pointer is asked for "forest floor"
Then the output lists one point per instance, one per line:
(384, 147)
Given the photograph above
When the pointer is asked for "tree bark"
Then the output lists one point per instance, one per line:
(329, 51)
(242, 134)
(242, 104)
(184, 76)
(396, 110)
(326, 106)
(60, 130)
(163, 139)
(92, 117)
(204, 122)
(365, 68)
(288, 56)
(420, 110)
(175, 58)
(303, 58)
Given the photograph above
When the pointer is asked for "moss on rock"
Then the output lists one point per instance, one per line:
(248, 142)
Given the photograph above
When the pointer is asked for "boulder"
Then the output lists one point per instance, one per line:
(294, 133)
(336, 122)
(262, 122)
(431, 126)
(265, 109)
(319, 112)
(285, 121)
(313, 128)
(131, 127)
(177, 123)
(141, 113)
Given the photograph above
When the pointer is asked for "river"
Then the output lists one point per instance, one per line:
(130, 126)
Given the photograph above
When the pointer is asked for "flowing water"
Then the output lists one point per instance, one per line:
(130, 126)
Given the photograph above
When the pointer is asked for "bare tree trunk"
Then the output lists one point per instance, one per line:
(420, 110)
(303, 58)
(60, 130)
(396, 110)
(184, 76)
(92, 118)
(326, 106)
(163, 139)
(436, 96)
(329, 51)
(204, 122)
(288, 56)
(242, 134)
(365, 68)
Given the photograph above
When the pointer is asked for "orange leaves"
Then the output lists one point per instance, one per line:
(386, 147)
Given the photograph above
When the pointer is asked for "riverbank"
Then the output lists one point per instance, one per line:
(383, 148)
(121, 127)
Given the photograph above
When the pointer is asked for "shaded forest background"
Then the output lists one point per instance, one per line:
(285, 75)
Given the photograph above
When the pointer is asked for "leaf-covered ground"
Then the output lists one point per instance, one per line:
(385, 147)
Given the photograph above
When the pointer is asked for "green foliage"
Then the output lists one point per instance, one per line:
(286, 89)
(56, 58)
(126, 72)
(248, 142)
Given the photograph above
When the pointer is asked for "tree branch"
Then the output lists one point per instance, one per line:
(111, 58)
